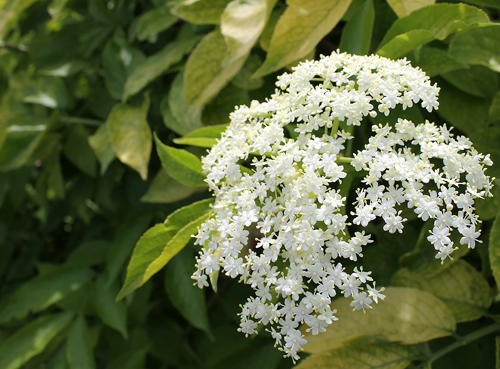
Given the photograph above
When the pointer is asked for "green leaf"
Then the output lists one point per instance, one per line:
(59, 361)
(242, 23)
(267, 33)
(476, 80)
(9, 13)
(181, 165)
(357, 34)
(56, 181)
(487, 208)
(436, 61)
(466, 112)
(149, 24)
(202, 137)
(129, 360)
(126, 237)
(131, 136)
(49, 92)
(64, 68)
(196, 141)
(404, 7)
(407, 316)
(488, 3)
(426, 24)
(162, 242)
(89, 253)
(461, 287)
(494, 111)
(188, 299)
(299, 30)
(155, 65)
(31, 339)
(164, 189)
(200, 11)
(362, 355)
(494, 249)
(103, 148)
(404, 43)
(78, 350)
(205, 74)
(78, 150)
(113, 313)
(187, 117)
(23, 136)
(40, 292)
(478, 46)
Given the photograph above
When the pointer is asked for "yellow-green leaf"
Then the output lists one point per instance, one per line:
(103, 148)
(404, 7)
(149, 24)
(164, 189)
(361, 354)
(460, 286)
(162, 242)
(181, 165)
(131, 136)
(200, 11)
(205, 75)
(407, 315)
(299, 30)
(478, 46)
(242, 23)
(31, 339)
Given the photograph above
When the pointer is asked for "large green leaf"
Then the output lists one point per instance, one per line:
(299, 30)
(407, 315)
(129, 360)
(164, 189)
(162, 242)
(242, 23)
(478, 46)
(205, 75)
(187, 117)
(40, 292)
(181, 165)
(202, 137)
(435, 61)
(494, 110)
(78, 150)
(131, 136)
(360, 354)
(89, 253)
(404, 7)
(78, 350)
(460, 286)
(475, 80)
(9, 12)
(155, 65)
(125, 238)
(113, 313)
(31, 339)
(426, 24)
(494, 249)
(200, 11)
(188, 299)
(103, 148)
(357, 34)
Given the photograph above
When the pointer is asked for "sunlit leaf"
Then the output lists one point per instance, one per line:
(407, 315)
(162, 242)
(200, 11)
(102, 146)
(404, 7)
(131, 136)
(461, 287)
(205, 75)
(181, 165)
(299, 30)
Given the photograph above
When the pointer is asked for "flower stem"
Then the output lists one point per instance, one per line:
(344, 160)
(465, 340)
(335, 127)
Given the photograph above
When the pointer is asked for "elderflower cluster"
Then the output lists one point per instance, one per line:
(281, 226)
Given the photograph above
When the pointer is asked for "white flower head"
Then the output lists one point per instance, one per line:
(288, 207)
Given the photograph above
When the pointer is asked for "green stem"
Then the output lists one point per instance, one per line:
(77, 120)
(344, 160)
(465, 340)
(335, 128)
